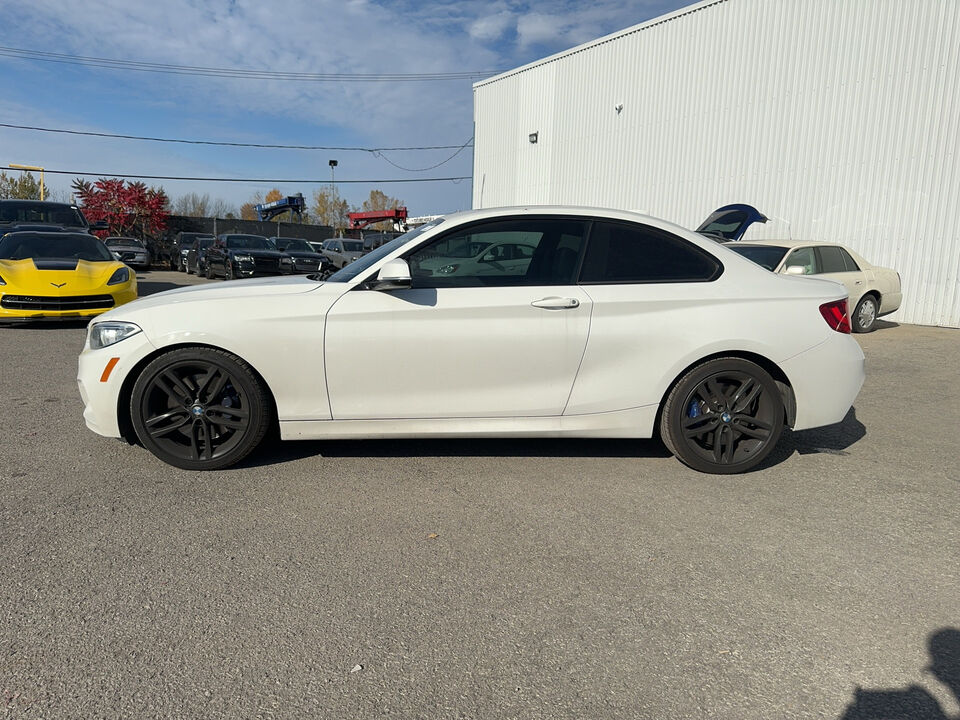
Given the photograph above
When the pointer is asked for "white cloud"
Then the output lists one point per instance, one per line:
(491, 27)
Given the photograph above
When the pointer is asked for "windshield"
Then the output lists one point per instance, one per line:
(768, 256)
(349, 272)
(204, 243)
(73, 246)
(296, 245)
(27, 211)
(113, 242)
(248, 242)
(353, 246)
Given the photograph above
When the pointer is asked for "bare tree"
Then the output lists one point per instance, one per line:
(220, 208)
(192, 205)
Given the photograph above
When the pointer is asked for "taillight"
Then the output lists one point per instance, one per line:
(835, 313)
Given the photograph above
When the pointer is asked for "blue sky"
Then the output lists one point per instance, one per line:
(309, 36)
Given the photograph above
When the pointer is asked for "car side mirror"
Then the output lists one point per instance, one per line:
(796, 270)
(394, 275)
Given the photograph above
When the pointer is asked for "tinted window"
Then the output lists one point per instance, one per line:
(248, 242)
(353, 246)
(724, 224)
(295, 245)
(805, 258)
(848, 261)
(763, 255)
(19, 246)
(627, 253)
(831, 260)
(520, 251)
(26, 211)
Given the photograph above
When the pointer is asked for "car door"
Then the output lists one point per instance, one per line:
(465, 345)
(836, 264)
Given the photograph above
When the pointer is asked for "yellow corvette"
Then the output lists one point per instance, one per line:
(60, 275)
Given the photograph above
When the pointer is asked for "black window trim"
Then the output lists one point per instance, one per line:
(616, 221)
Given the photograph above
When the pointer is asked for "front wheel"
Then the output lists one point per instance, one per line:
(724, 416)
(200, 408)
(865, 315)
(228, 271)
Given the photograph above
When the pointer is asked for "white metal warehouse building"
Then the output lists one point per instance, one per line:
(838, 119)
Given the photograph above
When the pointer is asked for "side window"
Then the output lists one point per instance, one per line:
(520, 251)
(629, 253)
(848, 261)
(805, 258)
(831, 260)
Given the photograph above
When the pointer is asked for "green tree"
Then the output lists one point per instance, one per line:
(22, 186)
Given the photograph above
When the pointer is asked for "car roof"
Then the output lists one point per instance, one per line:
(781, 243)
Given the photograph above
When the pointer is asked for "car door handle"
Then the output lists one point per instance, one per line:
(556, 303)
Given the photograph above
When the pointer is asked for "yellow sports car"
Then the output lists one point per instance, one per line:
(65, 275)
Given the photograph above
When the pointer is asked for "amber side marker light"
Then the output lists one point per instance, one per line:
(111, 364)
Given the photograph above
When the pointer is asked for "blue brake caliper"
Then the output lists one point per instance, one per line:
(694, 409)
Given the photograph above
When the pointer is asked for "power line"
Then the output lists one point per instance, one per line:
(432, 167)
(233, 144)
(323, 181)
(165, 68)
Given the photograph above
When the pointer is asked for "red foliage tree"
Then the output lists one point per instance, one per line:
(128, 208)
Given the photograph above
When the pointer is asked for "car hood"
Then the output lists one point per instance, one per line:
(47, 274)
(257, 253)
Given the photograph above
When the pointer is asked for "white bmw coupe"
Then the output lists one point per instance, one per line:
(618, 325)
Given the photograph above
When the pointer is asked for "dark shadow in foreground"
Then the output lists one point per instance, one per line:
(914, 702)
(833, 439)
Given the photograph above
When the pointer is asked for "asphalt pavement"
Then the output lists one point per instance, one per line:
(480, 579)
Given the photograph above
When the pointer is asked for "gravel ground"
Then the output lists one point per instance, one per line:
(480, 579)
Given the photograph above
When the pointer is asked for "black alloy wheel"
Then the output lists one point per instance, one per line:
(865, 315)
(724, 416)
(200, 408)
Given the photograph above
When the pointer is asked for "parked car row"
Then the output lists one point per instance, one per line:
(237, 255)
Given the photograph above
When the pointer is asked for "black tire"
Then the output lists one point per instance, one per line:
(864, 317)
(208, 273)
(228, 271)
(200, 408)
(724, 416)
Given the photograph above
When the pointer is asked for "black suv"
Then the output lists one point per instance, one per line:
(235, 256)
(41, 216)
(181, 246)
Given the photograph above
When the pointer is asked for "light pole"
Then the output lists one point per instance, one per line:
(31, 167)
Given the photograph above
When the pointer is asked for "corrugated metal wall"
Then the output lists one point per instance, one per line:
(840, 119)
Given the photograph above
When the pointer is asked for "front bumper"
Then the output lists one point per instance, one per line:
(124, 294)
(101, 396)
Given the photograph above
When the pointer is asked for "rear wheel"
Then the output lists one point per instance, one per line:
(724, 416)
(200, 408)
(208, 272)
(228, 271)
(865, 315)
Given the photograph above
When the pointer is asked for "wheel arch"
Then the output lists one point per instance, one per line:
(125, 423)
(780, 377)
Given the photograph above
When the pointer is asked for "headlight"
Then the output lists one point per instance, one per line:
(285, 261)
(2, 282)
(122, 275)
(108, 333)
(243, 258)
(183, 253)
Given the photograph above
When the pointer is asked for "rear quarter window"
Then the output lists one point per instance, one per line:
(630, 253)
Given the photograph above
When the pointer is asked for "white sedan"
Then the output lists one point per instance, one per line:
(618, 326)
(874, 291)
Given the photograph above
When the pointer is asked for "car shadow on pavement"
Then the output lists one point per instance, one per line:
(149, 287)
(831, 440)
(914, 701)
(275, 451)
(885, 324)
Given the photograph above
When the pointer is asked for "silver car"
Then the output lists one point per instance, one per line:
(342, 251)
(130, 251)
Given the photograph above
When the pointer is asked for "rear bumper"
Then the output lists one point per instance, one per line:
(826, 380)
